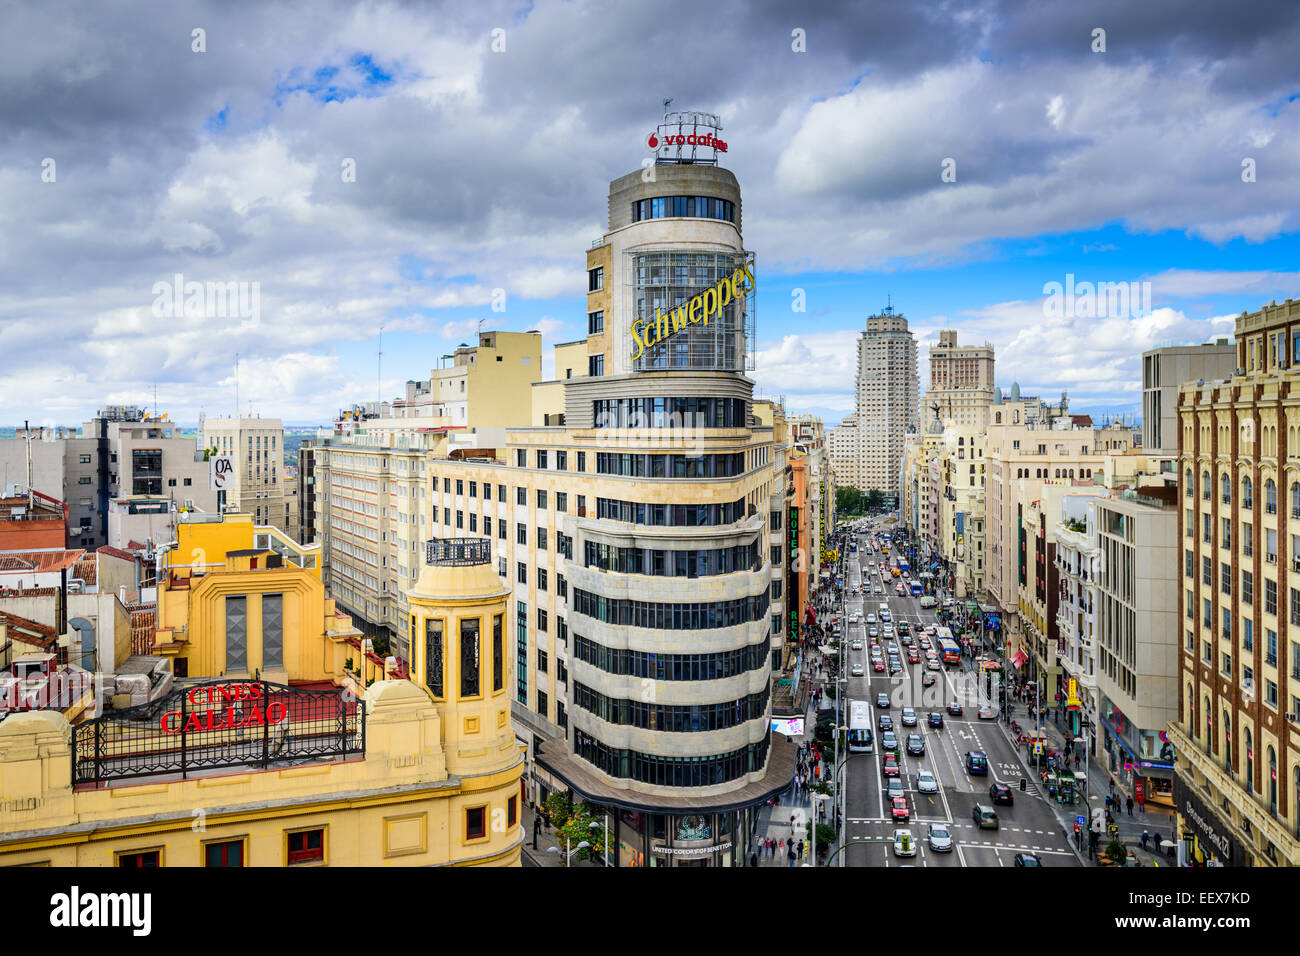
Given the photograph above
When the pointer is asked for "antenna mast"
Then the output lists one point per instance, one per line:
(236, 385)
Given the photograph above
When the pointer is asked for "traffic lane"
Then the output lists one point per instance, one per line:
(1021, 829)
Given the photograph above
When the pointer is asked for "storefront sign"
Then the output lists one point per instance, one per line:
(690, 850)
(792, 573)
(695, 311)
(1203, 822)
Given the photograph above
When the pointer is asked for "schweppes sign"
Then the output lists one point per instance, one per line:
(695, 311)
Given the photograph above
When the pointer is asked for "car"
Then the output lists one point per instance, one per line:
(895, 668)
(856, 670)
(904, 628)
(913, 657)
(928, 679)
(1001, 793)
(904, 639)
(877, 664)
(886, 722)
(977, 764)
(871, 619)
(926, 782)
(882, 700)
(898, 810)
(889, 767)
(931, 630)
(909, 717)
(985, 817)
(872, 632)
(888, 629)
(987, 713)
(915, 745)
(939, 838)
(888, 741)
(893, 788)
(899, 590)
(932, 663)
(884, 616)
(955, 708)
(1028, 859)
(904, 844)
(856, 645)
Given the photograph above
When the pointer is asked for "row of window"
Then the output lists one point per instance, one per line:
(689, 564)
(693, 616)
(644, 465)
(673, 667)
(672, 516)
(691, 207)
(670, 771)
(470, 656)
(1247, 492)
(687, 412)
(671, 718)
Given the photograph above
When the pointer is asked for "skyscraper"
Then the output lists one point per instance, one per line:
(887, 389)
(961, 380)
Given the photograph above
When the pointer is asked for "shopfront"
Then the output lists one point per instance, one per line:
(1207, 841)
(1141, 761)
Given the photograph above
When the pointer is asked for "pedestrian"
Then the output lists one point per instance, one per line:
(753, 860)
(790, 854)
(801, 849)
(1142, 804)
(1145, 837)
(1156, 849)
(1128, 803)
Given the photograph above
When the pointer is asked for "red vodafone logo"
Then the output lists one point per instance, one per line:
(652, 141)
(707, 140)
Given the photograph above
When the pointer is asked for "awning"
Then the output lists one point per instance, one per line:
(1018, 659)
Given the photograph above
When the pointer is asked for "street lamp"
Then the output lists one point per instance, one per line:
(568, 853)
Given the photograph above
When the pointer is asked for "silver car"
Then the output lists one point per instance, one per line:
(909, 717)
(857, 670)
(926, 782)
(939, 838)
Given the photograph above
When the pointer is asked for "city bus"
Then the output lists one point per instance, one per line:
(916, 589)
(859, 727)
(949, 652)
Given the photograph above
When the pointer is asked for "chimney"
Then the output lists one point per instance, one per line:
(121, 594)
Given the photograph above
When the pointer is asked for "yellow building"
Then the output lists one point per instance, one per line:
(292, 749)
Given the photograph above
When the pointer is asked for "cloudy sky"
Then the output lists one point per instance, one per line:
(129, 157)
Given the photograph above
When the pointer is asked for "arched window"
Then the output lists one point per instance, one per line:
(1205, 486)
(1227, 741)
(1226, 483)
(1250, 762)
(1270, 497)
(1247, 493)
(1295, 499)
(1209, 730)
(1190, 489)
(998, 419)
(1272, 782)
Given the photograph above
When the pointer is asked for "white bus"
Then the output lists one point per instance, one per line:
(860, 740)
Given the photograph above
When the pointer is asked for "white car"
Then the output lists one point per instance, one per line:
(856, 670)
(904, 843)
(939, 838)
(856, 645)
(926, 782)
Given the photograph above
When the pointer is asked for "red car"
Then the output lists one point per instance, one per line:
(890, 766)
(899, 810)
(913, 657)
(877, 664)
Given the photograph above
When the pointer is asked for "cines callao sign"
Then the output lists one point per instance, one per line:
(695, 311)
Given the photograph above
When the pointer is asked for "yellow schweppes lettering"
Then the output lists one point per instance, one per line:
(695, 311)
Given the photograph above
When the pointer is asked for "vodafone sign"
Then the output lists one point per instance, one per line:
(689, 139)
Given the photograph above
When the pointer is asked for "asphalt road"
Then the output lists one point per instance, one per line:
(1028, 826)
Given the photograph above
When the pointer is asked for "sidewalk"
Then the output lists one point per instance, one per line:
(1151, 818)
(542, 855)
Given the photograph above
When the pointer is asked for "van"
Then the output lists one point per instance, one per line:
(928, 601)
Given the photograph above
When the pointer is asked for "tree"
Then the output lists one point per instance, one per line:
(875, 499)
(848, 500)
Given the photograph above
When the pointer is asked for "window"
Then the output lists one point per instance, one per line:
(306, 846)
(140, 858)
(542, 661)
(541, 579)
(272, 630)
(1205, 486)
(521, 533)
(1247, 587)
(433, 666)
(475, 823)
(236, 633)
(521, 458)
(1270, 647)
(1247, 539)
(1225, 578)
(501, 529)
(460, 487)
(582, 461)
(541, 539)
(1225, 488)
(541, 458)
(521, 496)
(512, 811)
(541, 498)
(1270, 596)
(501, 494)
(561, 501)
(595, 323)
(498, 666)
(595, 365)
(596, 279)
(1270, 497)
(1247, 493)
(469, 658)
(225, 853)
(1207, 571)
(85, 459)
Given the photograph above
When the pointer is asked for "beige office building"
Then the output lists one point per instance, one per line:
(257, 447)
(1164, 371)
(1237, 788)
(961, 381)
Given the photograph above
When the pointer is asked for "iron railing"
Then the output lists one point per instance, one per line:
(458, 552)
(213, 724)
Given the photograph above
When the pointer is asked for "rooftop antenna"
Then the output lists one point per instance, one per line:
(31, 498)
(379, 372)
(236, 385)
